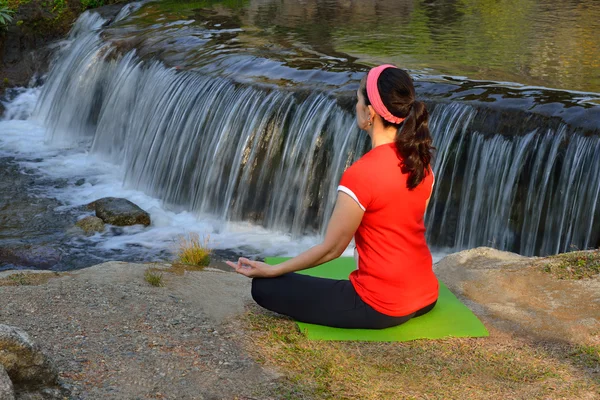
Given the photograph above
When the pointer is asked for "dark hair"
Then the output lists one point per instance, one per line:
(413, 140)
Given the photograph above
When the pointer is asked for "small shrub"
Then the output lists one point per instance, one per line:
(153, 278)
(193, 251)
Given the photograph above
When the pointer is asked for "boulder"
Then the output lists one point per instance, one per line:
(517, 294)
(120, 212)
(90, 225)
(42, 257)
(6, 386)
(23, 360)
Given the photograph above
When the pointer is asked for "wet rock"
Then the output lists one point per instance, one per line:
(90, 225)
(23, 360)
(120, 212)
(80, 182)
(61, 183)
(6, 386)
(30, 256)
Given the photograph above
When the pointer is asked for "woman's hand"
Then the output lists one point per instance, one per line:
(254, 269)
(344, 221)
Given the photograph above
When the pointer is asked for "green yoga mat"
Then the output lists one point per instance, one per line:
(449, 318)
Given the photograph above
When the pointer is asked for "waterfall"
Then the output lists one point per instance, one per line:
(533, 193)
(273, 156)
(204, 143)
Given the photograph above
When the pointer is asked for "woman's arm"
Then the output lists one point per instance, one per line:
(344, 221)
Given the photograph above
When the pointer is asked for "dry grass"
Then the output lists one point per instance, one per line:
(28, 279)
(573, 265)
(153, 277)
(497, 367)
(193, 251)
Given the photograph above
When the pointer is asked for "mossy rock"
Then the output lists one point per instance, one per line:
(90, 225)
(120, 212)
(23, 359)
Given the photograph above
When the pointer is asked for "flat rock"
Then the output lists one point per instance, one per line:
(23, 360)
(517, 295)
(221, 295)
(120, 212)
(6, 386)
(43, 257)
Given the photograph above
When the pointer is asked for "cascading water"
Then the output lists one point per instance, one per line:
(534, 194)
(200, 142)
(272, 155)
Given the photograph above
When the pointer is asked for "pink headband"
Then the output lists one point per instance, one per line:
(374, 96)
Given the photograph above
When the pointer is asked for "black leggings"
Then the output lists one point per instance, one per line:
(322, 301)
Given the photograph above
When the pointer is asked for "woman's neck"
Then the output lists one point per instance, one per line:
(381, 136)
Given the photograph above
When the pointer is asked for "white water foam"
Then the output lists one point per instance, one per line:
(24, 139)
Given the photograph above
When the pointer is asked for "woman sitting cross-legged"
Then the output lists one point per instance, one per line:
(381, 202)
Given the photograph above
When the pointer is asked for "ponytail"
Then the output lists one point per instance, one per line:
(414, 145)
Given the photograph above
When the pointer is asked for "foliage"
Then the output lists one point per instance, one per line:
(5, 15)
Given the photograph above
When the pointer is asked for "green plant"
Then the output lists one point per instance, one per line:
(59, 5)
(193, 251)
(5, 15)
(153, 278)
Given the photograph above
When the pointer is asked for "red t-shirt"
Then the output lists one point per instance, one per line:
(394, 267)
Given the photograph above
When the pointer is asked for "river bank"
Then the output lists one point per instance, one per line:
(112, 335)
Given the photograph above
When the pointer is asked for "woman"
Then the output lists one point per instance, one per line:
(381, 201)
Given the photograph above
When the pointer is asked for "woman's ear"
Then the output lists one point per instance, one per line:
(372, 113)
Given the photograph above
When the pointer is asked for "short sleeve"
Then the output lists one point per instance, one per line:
(355, 183)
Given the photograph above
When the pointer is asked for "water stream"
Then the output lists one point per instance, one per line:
(217, 128)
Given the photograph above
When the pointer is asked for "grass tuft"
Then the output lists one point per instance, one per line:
(154, 278)
(575, 265)
(193, 251)
(588, 357)
(28, 279)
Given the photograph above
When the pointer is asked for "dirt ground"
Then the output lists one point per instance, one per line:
(114, 336)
